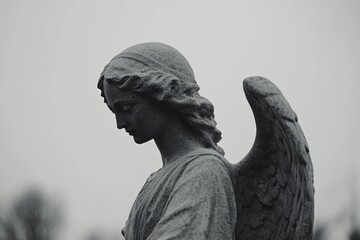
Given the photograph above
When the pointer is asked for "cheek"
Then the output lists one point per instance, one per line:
(149, 121)
(141, 121)
(153, 122)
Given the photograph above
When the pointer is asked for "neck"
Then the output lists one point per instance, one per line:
(176, 141)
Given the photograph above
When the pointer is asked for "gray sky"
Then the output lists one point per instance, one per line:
(56, 133)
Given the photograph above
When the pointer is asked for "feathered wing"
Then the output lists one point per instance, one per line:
(274, 182)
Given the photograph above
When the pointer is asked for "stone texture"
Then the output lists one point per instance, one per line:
(198, 194)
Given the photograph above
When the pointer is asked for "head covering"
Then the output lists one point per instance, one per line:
(162, 57)
(161, 72)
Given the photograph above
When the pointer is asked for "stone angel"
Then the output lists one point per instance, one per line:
(198, 194)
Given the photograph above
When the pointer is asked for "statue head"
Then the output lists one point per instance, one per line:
(161, 73)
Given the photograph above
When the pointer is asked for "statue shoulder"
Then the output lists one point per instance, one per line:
(210, 165)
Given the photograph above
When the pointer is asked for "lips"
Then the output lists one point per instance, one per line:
(129, 131)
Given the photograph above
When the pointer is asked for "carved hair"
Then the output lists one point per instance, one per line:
(162, 73)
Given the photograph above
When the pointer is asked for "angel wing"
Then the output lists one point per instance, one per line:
(274, 182)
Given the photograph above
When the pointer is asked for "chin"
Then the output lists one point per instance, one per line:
(139, 140)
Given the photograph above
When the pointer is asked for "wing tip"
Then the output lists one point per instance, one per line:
(260, 86)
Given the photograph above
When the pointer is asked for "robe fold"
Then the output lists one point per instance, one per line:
(190, 198)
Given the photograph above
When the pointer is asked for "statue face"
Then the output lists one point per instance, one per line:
(140, 116)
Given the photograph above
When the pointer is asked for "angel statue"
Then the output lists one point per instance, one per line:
(198, 194)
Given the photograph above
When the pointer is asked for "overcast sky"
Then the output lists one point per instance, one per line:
(56, 132)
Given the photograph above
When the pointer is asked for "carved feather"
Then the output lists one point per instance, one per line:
(274, 182)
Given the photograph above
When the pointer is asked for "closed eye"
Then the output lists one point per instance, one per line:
(123, 107)
(126, 107)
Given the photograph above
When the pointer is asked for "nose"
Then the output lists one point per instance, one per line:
(121, 121)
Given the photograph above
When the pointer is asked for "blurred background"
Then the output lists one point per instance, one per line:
(67, 172)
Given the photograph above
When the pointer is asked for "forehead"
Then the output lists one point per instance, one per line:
(115, 95)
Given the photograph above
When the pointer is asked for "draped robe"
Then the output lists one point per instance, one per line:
(190, 198)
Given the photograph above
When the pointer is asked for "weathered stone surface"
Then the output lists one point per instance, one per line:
(197, 194)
